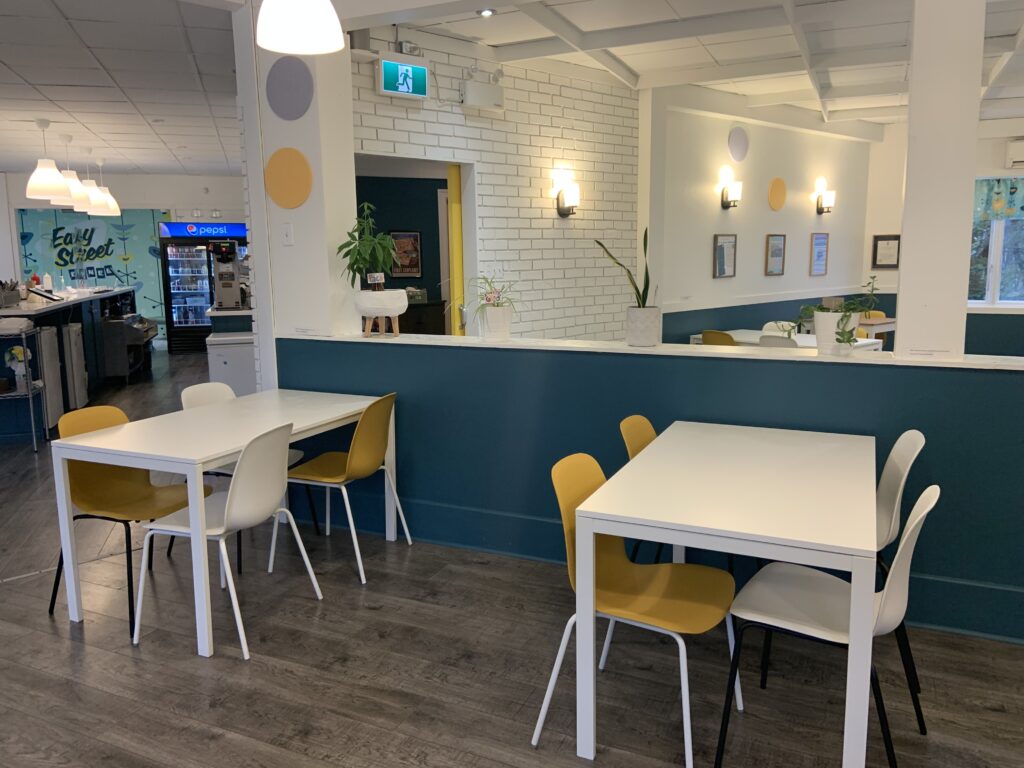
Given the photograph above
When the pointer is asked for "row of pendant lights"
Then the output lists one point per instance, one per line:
(64, 189)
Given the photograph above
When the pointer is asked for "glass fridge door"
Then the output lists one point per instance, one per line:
(188, 272)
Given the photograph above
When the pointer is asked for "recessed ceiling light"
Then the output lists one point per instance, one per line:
(485, 12)
(157, 120)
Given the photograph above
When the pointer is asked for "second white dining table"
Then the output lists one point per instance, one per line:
(727, 488)
(190, 442)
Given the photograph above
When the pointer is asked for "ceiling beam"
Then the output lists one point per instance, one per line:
(789, 65)
(781, 97)
(569, 33)
(223, 5)
(829, 93)
(867, 113)
(862, 57)
(1001, 65)
(789, 6)
(854, 13)
(681, 29)
(1000, 128)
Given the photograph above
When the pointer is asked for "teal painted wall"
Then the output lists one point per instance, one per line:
(479, 429)
(408, 205)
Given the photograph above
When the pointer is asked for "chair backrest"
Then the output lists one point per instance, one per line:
(637, 433)
(93, 486)
(862, 333)
(206, 394)
(778, 326)
(260, 479)
(718, 338)
(370, 441)
(892, 600)
(889, 496)
(832, 302)
(770, 340)
(575, 478)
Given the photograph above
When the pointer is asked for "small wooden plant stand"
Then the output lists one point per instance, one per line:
(381, 323)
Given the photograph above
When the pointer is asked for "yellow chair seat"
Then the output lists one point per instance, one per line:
(684, 598)
(160, 501)
(330, 467)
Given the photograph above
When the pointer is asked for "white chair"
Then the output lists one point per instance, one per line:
(771, 340)
(258, 483)
(778, 326)
(810, 603)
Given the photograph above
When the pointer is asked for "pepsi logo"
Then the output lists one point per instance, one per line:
(191, 229)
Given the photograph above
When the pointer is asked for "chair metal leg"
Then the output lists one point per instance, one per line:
(727, 709)
(327, 516)
(883, 721)
(234, 598)
(56, 581)
(398, 504)
(238, 550)
(170, 545)
(131, 577)
(684, 686)
(273, 544)
(910, 670)
(607, 644)
(149, 561)
(302, 550)
(147, 551)
(352, 530)
(312, 509)
(566, 634)
(766, 657)
(223, 578)
(730, 635)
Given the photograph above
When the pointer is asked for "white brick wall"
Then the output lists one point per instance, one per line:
(565, 287)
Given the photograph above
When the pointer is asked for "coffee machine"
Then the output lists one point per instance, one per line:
(227, 278)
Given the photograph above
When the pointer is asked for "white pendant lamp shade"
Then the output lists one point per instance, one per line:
(95, 200)
(299, 27)
(110, 206)
(67, 200)
(46, 182)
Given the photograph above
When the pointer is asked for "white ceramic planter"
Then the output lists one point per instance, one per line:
(371, 304)
(825, 327)
(643, 326)
(495, 322)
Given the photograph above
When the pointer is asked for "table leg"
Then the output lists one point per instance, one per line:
(67, 536)
(390, 512)
(586, 683)
(200, 565)
(858, 664)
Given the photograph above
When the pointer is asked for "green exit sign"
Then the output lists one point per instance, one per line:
(402, 76)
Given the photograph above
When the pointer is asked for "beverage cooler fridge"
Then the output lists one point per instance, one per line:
(188, 279)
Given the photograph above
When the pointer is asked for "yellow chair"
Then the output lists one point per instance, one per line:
(637, 433)
(365, 457)
(718, 339)
(871, 314)
(114, 494)
(673, 599)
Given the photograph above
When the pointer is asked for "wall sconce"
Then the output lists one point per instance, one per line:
(732, 190)
(824, 198)
(567, 192)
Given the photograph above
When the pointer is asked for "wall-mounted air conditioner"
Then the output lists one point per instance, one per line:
(1015, 153)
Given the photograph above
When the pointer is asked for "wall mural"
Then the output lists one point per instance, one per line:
(998, 199)
(99, 250)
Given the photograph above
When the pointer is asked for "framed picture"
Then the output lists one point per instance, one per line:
(723, 259)
(774, 255)
(410, 256)
(885, 253)
(819, 254)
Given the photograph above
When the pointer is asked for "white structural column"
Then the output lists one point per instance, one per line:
(299, 289)
(945, 69)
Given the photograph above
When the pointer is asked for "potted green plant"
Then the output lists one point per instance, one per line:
(369, 256)
(643, 322)
(835, 327)
(494, 306)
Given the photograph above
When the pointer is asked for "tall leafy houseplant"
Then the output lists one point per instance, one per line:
(643, 322)
(836, 326)
(368, 255)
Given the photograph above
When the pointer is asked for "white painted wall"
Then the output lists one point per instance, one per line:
(686, 212)
(886, 170)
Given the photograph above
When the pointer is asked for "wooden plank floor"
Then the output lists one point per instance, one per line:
(440, 661)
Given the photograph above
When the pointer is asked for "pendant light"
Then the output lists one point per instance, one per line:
(46, 182)
(75, 191)
(109, 206)
(299, 27)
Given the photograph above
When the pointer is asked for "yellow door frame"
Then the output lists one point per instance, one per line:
(456, 289)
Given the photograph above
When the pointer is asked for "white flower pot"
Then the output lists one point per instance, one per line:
(495, 322)
(825, 327)
(643, 326)
(390, 303)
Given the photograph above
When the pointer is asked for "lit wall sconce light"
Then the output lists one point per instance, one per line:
(824, 198)
(732, 190)
(567, 192)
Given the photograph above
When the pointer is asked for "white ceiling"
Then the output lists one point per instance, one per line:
(148, 85)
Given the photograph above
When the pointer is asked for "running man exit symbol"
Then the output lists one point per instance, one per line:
(405, 78)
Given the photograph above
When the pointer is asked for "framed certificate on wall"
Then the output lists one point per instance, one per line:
(885, 252)
(819, 254)
(723, 257)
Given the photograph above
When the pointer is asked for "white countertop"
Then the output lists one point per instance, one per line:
(27, 309)
(676, 350)
(214, 312)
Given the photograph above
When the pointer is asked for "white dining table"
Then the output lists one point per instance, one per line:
(748, 337)
(191, 442)
(727, 488)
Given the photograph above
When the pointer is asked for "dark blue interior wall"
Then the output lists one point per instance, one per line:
(408, 205)
(995, 335)
(479, 429)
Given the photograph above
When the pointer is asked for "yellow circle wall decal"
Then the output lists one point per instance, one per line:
(288, 178)
(777, 194)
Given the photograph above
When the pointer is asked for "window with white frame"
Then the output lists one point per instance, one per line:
(997, 243)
